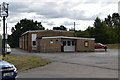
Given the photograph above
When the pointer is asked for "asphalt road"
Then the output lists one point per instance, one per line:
(98, 64)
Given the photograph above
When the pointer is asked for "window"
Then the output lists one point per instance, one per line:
(64, 43)
(33, 43)
(51, 42)
(69, 43)
(73, 43)
(86, 43)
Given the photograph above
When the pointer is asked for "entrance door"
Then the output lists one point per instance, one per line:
(68, 45)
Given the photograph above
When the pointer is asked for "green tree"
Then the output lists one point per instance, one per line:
(90, 31)
(106, 31)
(63, 27)
(101, 31)
(21, 27)
(60, 28)
(114, 20)
(82, 33)
(108, 21)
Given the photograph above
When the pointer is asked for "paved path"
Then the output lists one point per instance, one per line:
(98, 64)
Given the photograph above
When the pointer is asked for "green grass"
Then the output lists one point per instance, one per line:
(113, 46)
(26, 62)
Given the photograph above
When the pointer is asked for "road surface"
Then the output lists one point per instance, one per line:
(98, 64)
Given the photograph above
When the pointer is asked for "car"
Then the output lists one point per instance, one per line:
(7, 71)
(100, 46)
(7, 49)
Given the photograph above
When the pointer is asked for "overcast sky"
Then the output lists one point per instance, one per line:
(53, 13)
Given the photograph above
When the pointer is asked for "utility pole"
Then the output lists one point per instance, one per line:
(74, 26)
(4, 15)
(3, 44)
(74, 29)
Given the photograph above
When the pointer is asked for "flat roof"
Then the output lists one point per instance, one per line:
(45, 31)
(66, 37)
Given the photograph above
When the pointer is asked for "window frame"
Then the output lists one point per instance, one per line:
(86, 43)
(34, 43)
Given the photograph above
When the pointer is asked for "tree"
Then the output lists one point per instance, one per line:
(106, 31)
(116, 19)
(101, 31)
(60, 28)
(72, 29)
(82, 33)
(115, 27)
(21, 27)
(63, 27)
(91, 31)
(108, 21)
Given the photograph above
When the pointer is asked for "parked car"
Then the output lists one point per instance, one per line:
(100, 46)
(7, 71)
(7, 49)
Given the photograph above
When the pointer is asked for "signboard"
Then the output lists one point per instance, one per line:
(4, 10)
(3, 13)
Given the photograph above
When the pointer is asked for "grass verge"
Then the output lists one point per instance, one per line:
(26, 62)
(113, 46)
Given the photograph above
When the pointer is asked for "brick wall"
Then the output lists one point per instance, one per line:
(49, 45)
(53, 44)
(80, 45)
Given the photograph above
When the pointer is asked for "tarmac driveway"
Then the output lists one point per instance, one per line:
(98, 64)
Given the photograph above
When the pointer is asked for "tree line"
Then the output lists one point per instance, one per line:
(21, 27)
(104, 31)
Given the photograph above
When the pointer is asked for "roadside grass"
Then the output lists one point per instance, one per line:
(26, 62)
(113, 46)
(0, 57)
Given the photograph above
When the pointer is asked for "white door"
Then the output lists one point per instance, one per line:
(69, 45)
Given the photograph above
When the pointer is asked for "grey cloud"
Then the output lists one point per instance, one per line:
(51, 24)
(53, 9)
(98, 1)
(18, 7)
(49, 10)
(68, 23)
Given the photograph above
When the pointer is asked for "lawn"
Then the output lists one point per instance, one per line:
(113, 46)
(26, 62)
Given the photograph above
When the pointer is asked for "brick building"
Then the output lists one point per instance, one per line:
(54, 41)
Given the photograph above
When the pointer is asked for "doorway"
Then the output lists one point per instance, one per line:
(68, 45)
